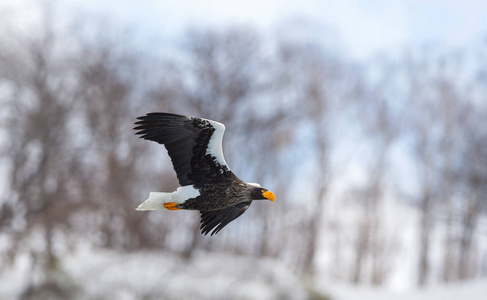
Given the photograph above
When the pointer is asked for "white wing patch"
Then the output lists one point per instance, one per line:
(215, 144)
(184, 193)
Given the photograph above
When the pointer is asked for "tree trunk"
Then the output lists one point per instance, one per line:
(424, 243)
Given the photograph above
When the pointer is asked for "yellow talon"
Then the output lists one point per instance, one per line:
(171, 206)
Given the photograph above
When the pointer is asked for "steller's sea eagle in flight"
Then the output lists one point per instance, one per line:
(207, 184)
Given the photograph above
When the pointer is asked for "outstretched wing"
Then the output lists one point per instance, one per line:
(217, 219)
(193, 144)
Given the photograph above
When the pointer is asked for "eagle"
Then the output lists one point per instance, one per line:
(207, 183)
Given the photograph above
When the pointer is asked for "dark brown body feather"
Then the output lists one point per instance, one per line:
(227, 191)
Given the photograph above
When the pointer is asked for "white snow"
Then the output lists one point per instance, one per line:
(102, 274)
(471, 290)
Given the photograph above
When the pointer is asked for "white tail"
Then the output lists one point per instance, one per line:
(156, 200)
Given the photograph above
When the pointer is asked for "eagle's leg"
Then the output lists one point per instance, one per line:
(171, 206)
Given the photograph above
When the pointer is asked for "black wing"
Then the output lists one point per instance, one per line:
(187, 142)
(220, 218)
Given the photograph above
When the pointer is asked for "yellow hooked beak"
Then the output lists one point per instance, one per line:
(269, 195)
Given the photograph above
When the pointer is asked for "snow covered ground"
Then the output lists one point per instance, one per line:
(105, 274)
(473, 290)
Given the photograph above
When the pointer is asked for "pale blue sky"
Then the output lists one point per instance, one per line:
(362, 28)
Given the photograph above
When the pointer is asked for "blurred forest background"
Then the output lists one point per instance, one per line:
(379, 167)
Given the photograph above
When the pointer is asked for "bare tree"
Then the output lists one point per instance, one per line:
(42, 196)
(316, 84)
(442, 114)
(474, 184)
(383, 126)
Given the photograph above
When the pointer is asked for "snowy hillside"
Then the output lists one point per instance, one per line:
(474, 290)
(103, 274)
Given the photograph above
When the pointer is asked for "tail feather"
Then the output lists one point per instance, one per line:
(155, 201)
